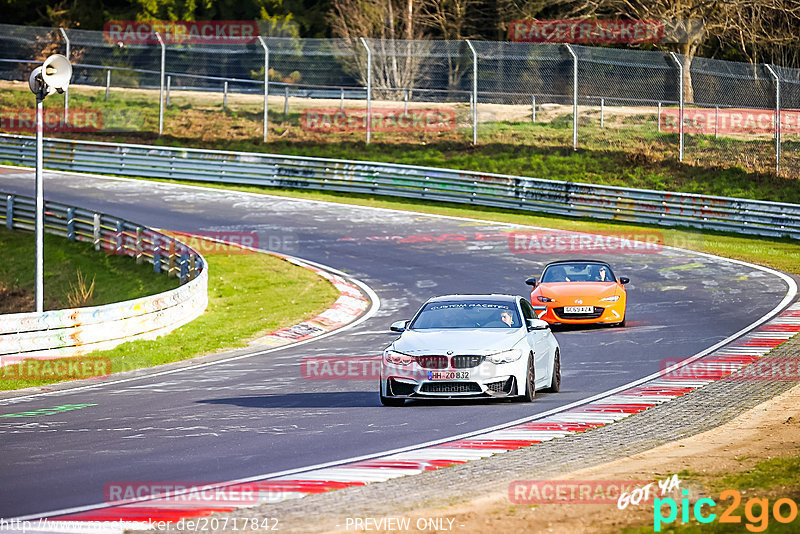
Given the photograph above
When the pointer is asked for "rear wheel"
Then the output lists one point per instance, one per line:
(530, 380)
(555, 381)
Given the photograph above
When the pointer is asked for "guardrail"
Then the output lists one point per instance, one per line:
(71, 332)
(568, 199)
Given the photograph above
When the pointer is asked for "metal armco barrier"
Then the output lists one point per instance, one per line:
(569, 199)
(72, 332)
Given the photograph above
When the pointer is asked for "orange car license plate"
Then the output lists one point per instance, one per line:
(578, 309)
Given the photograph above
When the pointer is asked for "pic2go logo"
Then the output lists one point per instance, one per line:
(756, 511)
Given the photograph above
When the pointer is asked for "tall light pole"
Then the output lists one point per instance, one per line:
(53, 76)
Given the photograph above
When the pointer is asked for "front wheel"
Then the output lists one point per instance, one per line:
(555, 381)
(530, 380)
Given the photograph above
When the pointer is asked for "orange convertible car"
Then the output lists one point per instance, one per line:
(579, 292)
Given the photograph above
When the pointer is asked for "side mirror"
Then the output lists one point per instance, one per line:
(624, 280)
(531, 281)
(399, 326)
(538, 324)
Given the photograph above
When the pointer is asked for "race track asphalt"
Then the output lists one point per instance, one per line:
(258, 415)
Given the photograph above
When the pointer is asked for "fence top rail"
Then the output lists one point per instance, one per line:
(151, 149)
(487, 50)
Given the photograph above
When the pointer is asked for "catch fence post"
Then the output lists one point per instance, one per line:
(777, 119)
(680, 104)
(474, 93)
(266, 84)
(161, 84)
(369, 89)
(574, 96)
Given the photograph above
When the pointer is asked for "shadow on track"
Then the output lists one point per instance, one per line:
(336, 399)
(346, 399)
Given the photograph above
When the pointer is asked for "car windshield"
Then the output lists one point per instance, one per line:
(578, 272)
(467, 314)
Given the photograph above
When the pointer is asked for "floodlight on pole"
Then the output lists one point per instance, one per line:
(52, 77)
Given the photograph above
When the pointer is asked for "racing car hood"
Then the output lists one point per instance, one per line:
(459, 340)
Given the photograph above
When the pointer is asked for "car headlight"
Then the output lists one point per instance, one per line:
(612, 298)
(397, 358)
(506, 356)
(545, 299)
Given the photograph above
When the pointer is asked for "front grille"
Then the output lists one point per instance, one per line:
(598, 311)
(465, 362)
(496, 386)
(501, 386)
(400, 388)
(450, 387)
(432, 362)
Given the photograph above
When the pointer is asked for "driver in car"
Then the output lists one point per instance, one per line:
(557, 274)
(506, 318)
(601, 275)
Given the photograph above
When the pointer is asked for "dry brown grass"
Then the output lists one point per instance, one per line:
(80, 294)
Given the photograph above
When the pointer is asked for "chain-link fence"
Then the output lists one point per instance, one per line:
(652, 104)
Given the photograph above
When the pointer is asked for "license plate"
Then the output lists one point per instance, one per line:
(448, 375)
(578, 309)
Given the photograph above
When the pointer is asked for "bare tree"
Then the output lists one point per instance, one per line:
(711, 12)
(764, 28)
(747, 24)
(396, 63)
(449, 19)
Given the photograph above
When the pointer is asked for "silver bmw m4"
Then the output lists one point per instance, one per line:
(459, 346)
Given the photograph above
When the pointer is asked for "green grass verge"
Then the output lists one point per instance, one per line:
(249, 295)
(116, 278)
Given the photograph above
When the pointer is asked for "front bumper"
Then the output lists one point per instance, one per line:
(408, 388)
(608, 314)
